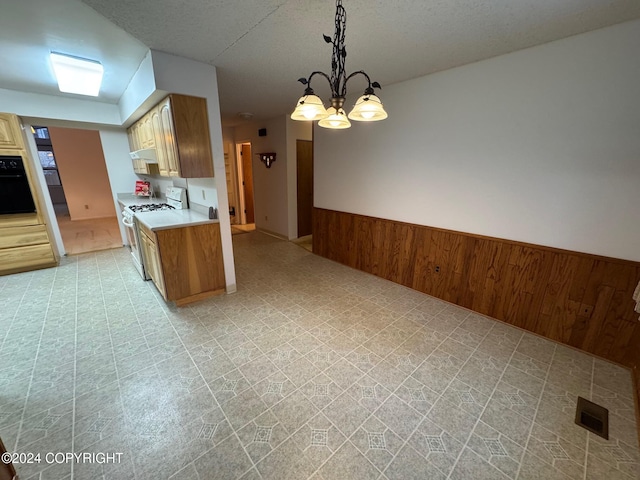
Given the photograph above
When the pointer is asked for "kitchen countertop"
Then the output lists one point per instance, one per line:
(164, 219)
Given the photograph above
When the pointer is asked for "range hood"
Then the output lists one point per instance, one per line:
(146, 154)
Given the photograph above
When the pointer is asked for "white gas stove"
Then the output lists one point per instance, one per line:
(176, 200)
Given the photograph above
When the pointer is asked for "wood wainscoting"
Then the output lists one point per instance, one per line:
(575, 298)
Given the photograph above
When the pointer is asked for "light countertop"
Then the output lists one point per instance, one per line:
(165, 219)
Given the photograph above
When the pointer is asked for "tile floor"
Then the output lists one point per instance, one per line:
(311, 370)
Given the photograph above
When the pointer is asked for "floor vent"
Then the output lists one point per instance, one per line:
(593, 417)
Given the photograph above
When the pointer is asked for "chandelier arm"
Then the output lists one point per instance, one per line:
(369, 89)
(321, 74)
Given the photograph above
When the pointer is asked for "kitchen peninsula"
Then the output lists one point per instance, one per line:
(181, 252)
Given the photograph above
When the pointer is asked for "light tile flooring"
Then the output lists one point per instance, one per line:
(311, 370)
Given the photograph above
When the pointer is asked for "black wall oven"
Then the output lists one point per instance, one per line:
(15, 194)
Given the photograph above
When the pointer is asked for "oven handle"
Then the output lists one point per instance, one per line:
(127, 224)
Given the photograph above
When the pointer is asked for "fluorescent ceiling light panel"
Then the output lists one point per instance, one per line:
(77, 75)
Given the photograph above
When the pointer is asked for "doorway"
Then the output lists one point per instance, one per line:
(73, 164)
(245, 185)
(304, 159)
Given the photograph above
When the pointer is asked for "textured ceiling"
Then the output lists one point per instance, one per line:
(30, 29)
(262, 46)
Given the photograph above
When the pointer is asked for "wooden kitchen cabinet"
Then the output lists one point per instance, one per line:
(185, 263)
(161, 144)
(141, 166)
(152, 258)
(10, 133)
(24, 237)
(146, 136)
(178, 128)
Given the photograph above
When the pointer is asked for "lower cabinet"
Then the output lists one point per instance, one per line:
(152, 259)
(184, 263)
(24, 248)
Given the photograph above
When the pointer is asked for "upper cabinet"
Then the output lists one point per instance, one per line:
(178, 129)
(10, 133)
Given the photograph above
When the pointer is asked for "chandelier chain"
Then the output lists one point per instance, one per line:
(338, 58)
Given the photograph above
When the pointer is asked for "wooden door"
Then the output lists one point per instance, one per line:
(247, 183)
(304, 156)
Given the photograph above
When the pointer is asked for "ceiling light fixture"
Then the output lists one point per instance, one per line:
(77, 75)
(368, 107)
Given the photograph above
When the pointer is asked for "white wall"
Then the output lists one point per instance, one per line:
(138, 98)
(270, 187)
(541, 146)
(295, 131)
(47, 107)
(203, 192)
(181, 75)
(115, 146)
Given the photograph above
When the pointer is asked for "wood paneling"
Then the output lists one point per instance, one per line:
(575, 298)
(191, 259)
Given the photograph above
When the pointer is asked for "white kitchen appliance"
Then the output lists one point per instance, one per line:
(177, 197)
(128, 214)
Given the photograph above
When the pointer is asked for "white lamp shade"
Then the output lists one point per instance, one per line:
(335, 119)
(77, 75)
(309, 107)
(368, 108)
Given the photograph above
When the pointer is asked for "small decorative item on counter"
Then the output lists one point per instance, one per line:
(143, 189)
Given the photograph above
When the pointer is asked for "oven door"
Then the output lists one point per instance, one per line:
(134, 245)
(15, 193)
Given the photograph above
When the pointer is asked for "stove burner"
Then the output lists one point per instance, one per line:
(151, 207)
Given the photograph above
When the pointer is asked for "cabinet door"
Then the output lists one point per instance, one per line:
(133, 138)
(152, 262)
(150, 141)
(10, 133)
(168, 135)
(161, 149)
(157, 276)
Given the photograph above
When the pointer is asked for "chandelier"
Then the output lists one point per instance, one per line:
(368, 108)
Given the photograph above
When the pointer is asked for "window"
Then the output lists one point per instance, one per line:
(46, 156)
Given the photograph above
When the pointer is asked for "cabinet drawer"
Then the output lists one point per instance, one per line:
(144, 229)
(23, 236)
(23, 258)
(19, 220)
